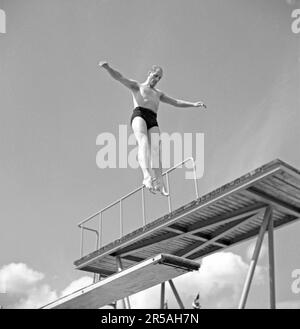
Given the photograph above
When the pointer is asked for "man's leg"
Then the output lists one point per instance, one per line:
(156, 165)
(139, 128)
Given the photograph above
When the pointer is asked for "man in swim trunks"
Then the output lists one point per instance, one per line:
(144, 124)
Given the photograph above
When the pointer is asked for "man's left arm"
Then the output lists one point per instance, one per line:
(180, 103)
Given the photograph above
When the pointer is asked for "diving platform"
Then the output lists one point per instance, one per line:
(127, 282)
(231, 214)
(256, 203)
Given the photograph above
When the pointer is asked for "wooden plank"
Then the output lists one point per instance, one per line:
(240, 199)
(219, 233)
(139, 277)
(288, 178)
(292, 172)
(190, 235)
(275, 202)
(291, 184)
(210, 249)
(195, 228)
(254, 232)
(279, 190)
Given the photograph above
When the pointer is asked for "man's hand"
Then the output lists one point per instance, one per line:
(103, 64)
(200, 104)
(131, 84)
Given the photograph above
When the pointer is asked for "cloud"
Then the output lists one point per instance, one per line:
(250, 250)
(18, 278)
(149, 298)
(220, 281)
(23, 288)
(77, 285)
(37, 297)
(40, 295)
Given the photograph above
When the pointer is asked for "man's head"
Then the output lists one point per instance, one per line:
(154, 75)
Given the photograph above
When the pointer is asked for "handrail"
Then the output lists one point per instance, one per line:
(119, 201)
(130, 193)
(81, 240)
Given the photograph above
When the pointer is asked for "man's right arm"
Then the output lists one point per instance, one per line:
(131, 84)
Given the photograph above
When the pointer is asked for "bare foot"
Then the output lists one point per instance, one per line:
(156, 187)
(159, 187)
(147, 182)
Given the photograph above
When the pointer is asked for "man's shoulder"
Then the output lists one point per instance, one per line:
(160, 93)
(136, 86)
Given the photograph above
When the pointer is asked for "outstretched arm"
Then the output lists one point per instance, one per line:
(131, 84)
(180, 103)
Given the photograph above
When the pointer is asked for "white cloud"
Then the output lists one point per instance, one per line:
(23, 287)
(250, 250)
(77, 285)
(18, 278)
(149, 298)
(37, 297)
(220, 281)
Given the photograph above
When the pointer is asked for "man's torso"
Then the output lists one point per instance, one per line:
(146, 97)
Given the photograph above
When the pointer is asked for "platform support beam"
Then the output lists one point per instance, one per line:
(265, 223)
(271, 263)
(113, 304)
(162, 295)
(126, 301)
(179, 301)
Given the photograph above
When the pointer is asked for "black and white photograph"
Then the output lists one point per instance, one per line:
(150, 156)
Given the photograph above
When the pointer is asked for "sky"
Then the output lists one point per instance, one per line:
(240, 57)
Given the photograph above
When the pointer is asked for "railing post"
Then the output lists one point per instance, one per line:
(97, 240)
(81, 242)
(195, 178)
(271, 262)
(162, 295)
(100, 230)
(169, 193)
(97, 247)
(143, 206)
(121, 220)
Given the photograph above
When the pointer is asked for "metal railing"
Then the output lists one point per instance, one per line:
(119, 201)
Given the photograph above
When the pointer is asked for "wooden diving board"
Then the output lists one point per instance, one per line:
(144, 275)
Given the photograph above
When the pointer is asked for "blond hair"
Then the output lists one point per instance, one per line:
(157, 68)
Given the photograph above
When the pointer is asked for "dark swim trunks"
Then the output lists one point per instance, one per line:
(148, 115)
